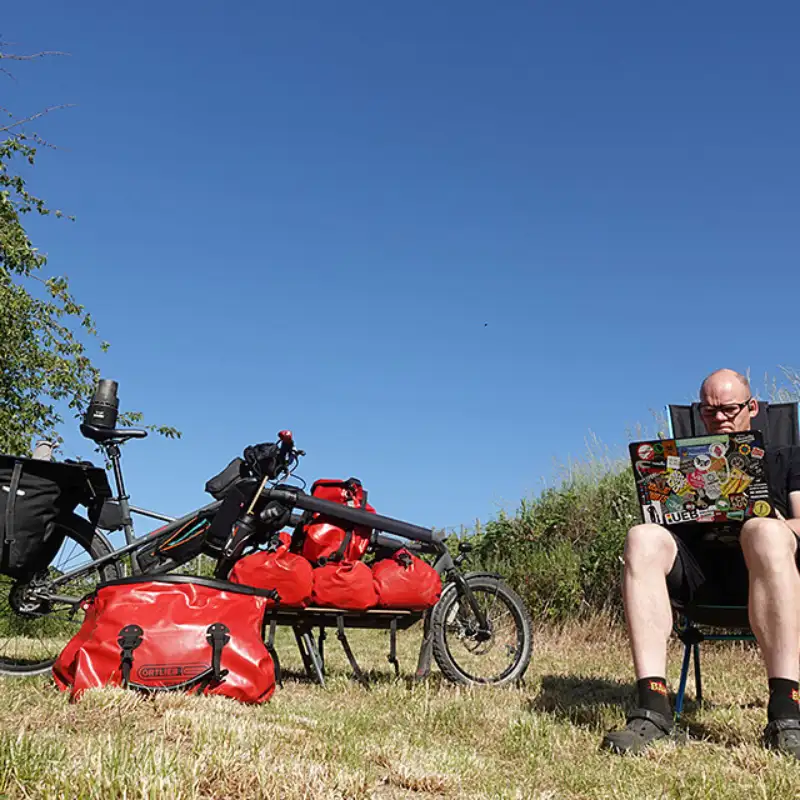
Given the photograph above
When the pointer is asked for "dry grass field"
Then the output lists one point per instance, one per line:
(399, 739)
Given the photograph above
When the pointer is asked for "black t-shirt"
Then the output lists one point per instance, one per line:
(783, 477)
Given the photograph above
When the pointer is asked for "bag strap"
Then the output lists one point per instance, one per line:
(8, 538)
(338, 555)
(217, 635)
(130, 637)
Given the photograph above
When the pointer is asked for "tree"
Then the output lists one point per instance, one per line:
(44, 331)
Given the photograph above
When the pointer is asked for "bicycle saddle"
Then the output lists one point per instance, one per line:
(100, 435)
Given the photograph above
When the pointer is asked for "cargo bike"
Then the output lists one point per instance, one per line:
(478, 632)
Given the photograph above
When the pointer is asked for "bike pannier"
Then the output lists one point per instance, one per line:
(289, 574)
(175, 632)
(321, 538)
(33, 494)
(345, 585)
(405, 581)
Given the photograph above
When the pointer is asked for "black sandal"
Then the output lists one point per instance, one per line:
(783, 735)
(642, 728)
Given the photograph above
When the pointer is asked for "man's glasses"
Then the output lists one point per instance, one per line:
(730, 410)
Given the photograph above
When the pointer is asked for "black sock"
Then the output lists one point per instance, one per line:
(783, 699)
(653, 695)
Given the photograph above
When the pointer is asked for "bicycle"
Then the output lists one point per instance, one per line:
(463, 631)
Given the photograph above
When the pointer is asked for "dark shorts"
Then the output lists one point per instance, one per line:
(710, 572)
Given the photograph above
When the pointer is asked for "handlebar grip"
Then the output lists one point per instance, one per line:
(357, 516)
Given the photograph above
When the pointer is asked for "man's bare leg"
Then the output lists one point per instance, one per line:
(650, 552)
(769, 548)
(769, 551)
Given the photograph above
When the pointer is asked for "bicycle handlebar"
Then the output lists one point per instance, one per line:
(357, 516)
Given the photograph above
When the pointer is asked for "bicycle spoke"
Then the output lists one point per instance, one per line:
(478, 654)
(34, 629)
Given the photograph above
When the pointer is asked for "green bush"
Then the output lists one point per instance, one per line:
(562, 550)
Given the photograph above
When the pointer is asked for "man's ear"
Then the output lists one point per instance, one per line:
(753, 408)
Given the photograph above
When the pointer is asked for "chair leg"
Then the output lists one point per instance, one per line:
(687, 652)
(698, 683)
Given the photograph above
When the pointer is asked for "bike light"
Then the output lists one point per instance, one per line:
(104, 406)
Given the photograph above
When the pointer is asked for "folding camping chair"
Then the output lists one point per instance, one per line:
(780, 425)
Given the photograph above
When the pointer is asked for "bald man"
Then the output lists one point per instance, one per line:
(689, 562)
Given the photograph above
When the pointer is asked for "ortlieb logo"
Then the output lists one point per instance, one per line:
(173, 672)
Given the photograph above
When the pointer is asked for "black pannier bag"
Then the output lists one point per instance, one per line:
(33, 495)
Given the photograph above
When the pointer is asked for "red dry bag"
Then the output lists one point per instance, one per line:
(345, 585)
(321, 538)
(405, 581)
(289, 574)
(172, 632)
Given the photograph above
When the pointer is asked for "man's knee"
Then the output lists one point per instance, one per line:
(650, 546)
(767, 543)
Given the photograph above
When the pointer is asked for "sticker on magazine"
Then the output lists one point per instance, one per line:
(646, 452)
(717, 450)
(680, 516)
(761, 508)
(653, 513)
(702, 463)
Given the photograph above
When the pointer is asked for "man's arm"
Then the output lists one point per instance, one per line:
(793, 485)
(794, 510)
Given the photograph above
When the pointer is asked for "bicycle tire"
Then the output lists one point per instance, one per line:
(32, 636)
(453, 622)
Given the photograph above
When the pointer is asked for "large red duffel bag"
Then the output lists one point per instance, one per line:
(321, 539)
(405, 581)
(172, 632)
(345, 585)
(289, 574)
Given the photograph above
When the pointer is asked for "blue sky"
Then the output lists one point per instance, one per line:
(443, 242)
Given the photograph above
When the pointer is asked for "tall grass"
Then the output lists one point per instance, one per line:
(561, 550)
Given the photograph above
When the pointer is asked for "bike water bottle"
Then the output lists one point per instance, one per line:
(104, 407)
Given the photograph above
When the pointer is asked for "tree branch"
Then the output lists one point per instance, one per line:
(28, 56)
(32, 117)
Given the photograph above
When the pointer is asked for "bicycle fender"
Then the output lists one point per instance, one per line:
(76, 522)
(450, 586)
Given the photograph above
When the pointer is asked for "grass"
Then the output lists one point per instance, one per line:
(399, 739)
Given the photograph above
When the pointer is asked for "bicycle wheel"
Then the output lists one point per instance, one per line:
(468, 655)
(34, 631)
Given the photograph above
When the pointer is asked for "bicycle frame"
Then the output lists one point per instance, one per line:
(444, 564)
(132, 542)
